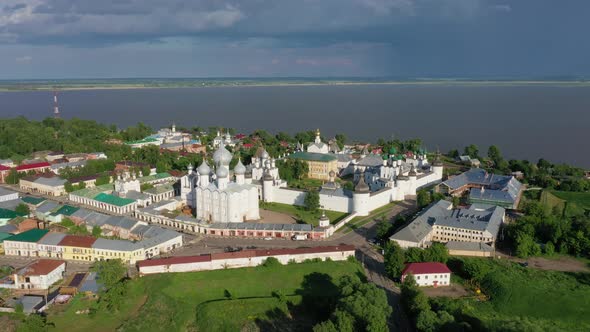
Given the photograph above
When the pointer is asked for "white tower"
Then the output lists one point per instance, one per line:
(360, 197)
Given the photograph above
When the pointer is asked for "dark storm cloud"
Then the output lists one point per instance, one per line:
(312, 37)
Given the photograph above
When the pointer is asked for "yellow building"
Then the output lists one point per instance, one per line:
(320, 164)
(77, 247)
(126, 251)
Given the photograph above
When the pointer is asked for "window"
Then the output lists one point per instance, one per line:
(417, 277)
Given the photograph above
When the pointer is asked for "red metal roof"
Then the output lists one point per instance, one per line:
(41, 267)
(248, 145)
(175, 260)
(425, 268)
(77, 241)
(4, 168)
(32, 166)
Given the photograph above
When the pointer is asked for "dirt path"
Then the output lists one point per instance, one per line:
(564, 264)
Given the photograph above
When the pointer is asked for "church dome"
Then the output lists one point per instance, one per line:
(222, 172)
(190, 167)
(240, 168)
(204, 169)
(222, 156)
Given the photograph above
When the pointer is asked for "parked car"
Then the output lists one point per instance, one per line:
(268, 238)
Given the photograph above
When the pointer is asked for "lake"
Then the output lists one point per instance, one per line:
(525, 121)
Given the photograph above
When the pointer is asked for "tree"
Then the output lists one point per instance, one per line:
(96, 231)
(384, 229)
(312, 201)
(394, 259)
(472, 151)
(437, 252)
(22, 209)
(103, 179)
(34, 323)
(68, 187)
(110, 272)
(549, 249)
(423, 198)
(81, 185)
(145, 170)
(162, 167)
(494, 154)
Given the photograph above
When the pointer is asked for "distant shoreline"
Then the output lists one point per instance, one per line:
(73, 86)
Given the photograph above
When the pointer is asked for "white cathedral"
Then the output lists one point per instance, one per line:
(215, 196)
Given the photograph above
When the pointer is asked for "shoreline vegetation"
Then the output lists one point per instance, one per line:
(162, 83)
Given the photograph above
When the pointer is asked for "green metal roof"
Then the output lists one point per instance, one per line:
(66, 210)
(33, 200)
(4, 236)
(158, 176)
(310, 156)
(92, 192)
(113, 200)
(145, 140)
(8, 214)
(32, 235)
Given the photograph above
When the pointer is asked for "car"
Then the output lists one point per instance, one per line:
(268, 238)
(524, 264)
(373, 241)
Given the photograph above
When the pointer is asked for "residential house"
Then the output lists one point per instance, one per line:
(4, 172)
(40, 274)
(428, 274)
(38, 167)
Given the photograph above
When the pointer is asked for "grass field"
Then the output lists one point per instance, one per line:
(357, 222)
(197, 301)
(555, 300)
(577, 202)
(303, 216)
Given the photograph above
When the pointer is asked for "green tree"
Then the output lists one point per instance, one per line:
(22, 209)
(423, 198)
(394, 259)
(96, 231)
(494, 154)
(34, 323)
(103, 179)
(110, 272)
(312, 201)
(549, 248)
(145, 171)
(472, 150)
(384, 229)
(437, 252)
(162, 167)
(68, 187)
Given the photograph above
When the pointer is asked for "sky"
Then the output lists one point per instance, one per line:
(44, 39)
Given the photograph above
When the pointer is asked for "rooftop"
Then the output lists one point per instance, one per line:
(41, 267)
(52, 239)
(33, 200)
(33, 235)
(32, 166)
(77, 241)
(113, 200)
(311, 156)
(425, 268)
(66, 210)
(4, 192)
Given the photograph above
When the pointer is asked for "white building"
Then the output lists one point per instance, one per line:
(215, 196)
(318, 146)
(428, 274)
(40, 274)
(223, 139)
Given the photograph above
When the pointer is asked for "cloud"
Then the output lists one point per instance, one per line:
(324, 62)
(24, 59)
(502, 8)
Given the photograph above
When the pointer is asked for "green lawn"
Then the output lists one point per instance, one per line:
(555, 300)
(577, 202)
(357, 222)
(303, 216)
(197, 300)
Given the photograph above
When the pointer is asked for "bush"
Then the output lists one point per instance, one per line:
(271, 262)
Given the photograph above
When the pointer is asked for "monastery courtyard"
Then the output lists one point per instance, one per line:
(273, 217)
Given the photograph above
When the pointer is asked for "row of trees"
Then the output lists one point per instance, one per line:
(542, 230)
(360, 306)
